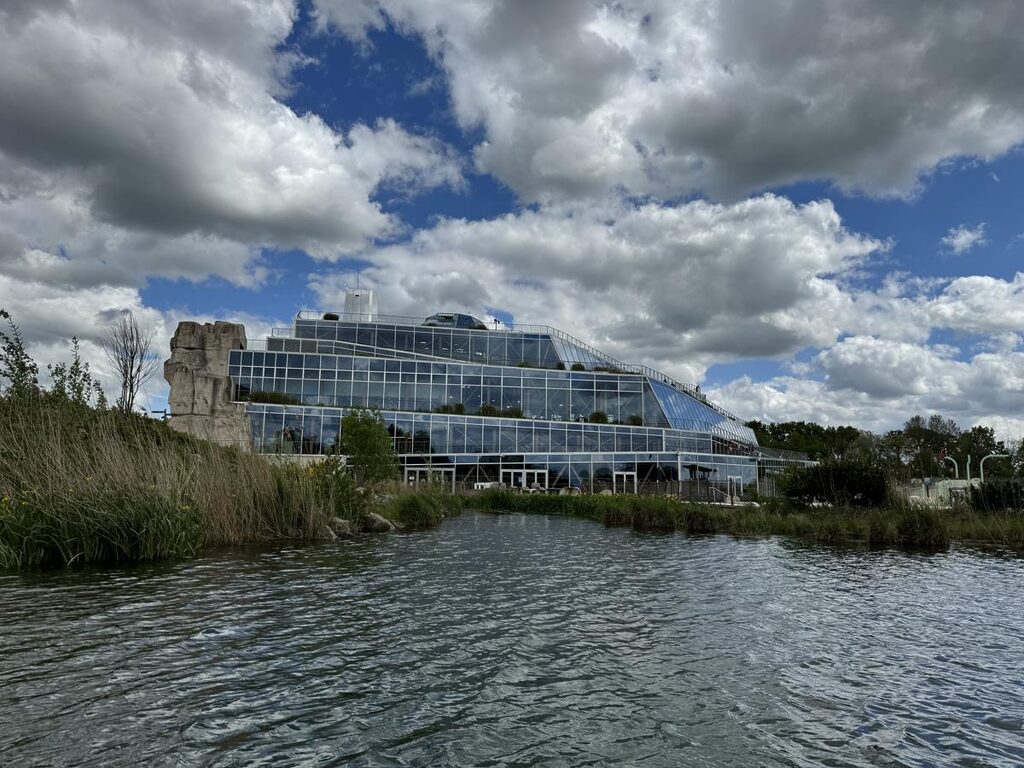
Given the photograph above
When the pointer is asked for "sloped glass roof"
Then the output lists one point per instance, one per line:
(684, 412)
(572, 353)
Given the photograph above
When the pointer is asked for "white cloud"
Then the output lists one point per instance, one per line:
(664, 97)
(676, 286)
(877, 384)
(963, 238)
(147, 138)
(684, 287)
(50, 315)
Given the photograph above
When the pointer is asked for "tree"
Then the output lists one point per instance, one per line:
(818, 442)
(73, 381)
(365, 440)
(840, 483)
(16, 365)
(129, 348)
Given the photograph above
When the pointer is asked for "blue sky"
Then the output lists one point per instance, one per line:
(813, 216)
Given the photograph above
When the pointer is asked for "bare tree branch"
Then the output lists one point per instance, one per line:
(129, 348)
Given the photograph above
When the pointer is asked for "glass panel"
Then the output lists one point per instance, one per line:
(460, 345)
(442, 343)
(496, 348)
(514, 349)
(424, 342)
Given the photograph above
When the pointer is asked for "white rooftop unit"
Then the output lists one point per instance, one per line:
(360, 305)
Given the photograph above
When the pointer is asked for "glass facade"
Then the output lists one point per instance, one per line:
(490, 405)
(480, 449)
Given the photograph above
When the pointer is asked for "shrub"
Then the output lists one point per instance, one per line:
(365, 440)
(909, 526)
(423, 507)
(837, 483)
(276, 398)
(456, 408)
(698, 519)
(338, 490)
(999, 496)
(416, 510)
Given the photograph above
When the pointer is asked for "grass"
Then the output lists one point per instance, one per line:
(79, 485)
(898, 525)
(425, 507)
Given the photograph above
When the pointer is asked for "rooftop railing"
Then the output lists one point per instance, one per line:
(643, 370)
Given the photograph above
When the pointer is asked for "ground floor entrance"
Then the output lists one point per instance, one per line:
(525, 479)
(423, 474)
(624, 482)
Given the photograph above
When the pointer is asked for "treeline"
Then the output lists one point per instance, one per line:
(900, 454)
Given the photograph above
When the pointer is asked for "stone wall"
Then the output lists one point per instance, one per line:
(200, 397)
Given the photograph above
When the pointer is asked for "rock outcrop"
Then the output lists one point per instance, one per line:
(201, 391)
(374, 523)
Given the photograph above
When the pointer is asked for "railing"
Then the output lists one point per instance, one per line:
(781, 453)
(643, 370)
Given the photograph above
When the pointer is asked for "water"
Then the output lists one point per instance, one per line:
(516, 641)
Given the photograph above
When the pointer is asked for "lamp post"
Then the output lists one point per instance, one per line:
(956, 467)
(981, 465)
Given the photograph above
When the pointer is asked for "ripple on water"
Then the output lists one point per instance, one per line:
(516, 641)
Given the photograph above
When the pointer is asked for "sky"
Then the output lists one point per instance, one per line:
(813, 208)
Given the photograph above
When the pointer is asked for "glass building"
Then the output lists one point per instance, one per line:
(471, 403)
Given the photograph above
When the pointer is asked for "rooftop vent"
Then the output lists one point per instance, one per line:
(360, 305)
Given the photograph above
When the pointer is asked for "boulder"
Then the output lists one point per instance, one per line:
(324, 533)
(342, 528)
(374, 523)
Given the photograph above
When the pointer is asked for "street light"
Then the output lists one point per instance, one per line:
(956, 467)
(981, 466)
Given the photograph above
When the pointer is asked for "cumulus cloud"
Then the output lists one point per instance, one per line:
(50, 314)
(152, 139)
(147, 138)
(662, 97)
(877, 383)
(963, 238)
(683, 287)
(679, 286)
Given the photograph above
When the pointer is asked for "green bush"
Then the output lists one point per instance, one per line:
(838, 483)
(1003, 495)
(698, 519)
(338, 490)
(416, 510)
(913, 527)
(365, 440)
(276, 398)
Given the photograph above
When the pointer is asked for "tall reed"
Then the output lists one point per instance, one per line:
(79, 485)
(899, 524)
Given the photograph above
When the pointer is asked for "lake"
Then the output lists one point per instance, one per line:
(507, 640)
